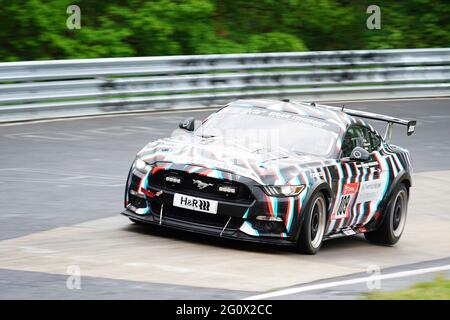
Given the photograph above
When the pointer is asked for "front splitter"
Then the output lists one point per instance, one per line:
(219, 232)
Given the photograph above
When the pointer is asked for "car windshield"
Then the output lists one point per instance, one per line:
(272, 129)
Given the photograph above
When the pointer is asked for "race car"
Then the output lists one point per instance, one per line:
(277, 172)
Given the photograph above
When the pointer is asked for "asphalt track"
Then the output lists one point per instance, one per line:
(61, 189)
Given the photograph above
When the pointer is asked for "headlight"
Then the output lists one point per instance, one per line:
(141, 165)
(283, 191)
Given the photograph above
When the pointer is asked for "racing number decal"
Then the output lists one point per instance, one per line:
(348, 196)
(343, 205)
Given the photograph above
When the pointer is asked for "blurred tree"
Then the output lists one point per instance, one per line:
(412, 24)
(36, 29)
(274, 41)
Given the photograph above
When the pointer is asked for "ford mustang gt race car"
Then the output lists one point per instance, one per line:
(279, 172)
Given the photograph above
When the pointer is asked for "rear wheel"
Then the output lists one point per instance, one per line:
(313, 227)
(394, 221)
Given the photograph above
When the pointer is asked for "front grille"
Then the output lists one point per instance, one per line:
(188, 186)
(207, 219)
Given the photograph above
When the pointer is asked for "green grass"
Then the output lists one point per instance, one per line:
(438, 289)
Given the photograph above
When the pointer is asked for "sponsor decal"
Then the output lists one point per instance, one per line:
(366, 165)
(194, 203)
(347, 197)
(370, 190)
(151, 194)
(350, 188)
(287, 116)
(349, 232)
(148, 193)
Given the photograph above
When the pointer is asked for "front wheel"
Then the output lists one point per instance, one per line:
(394, 221)
(313, 227)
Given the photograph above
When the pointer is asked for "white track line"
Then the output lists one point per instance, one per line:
(402, 274)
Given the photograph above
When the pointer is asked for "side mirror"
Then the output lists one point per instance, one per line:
(359, 154)
(188, 124)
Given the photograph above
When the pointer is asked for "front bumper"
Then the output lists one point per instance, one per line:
(147, 199)
(216, 231)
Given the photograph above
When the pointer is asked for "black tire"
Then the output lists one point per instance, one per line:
(391, 229)
(314, 225)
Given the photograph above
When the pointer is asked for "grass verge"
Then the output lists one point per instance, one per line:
(438, 289)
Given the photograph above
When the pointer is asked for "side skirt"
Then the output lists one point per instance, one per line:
(348, 232)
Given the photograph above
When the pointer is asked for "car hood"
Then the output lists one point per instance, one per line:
(266, 166)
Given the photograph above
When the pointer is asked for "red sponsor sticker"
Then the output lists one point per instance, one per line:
(350, 188)
(148, 193)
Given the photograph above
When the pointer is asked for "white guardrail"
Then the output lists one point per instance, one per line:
(47, 89)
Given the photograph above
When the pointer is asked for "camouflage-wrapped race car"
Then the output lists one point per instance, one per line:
(280, 172)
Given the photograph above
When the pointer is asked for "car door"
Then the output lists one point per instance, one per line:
(350, 207)
(372, 183)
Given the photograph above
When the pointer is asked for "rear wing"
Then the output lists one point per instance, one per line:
(410, 124)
